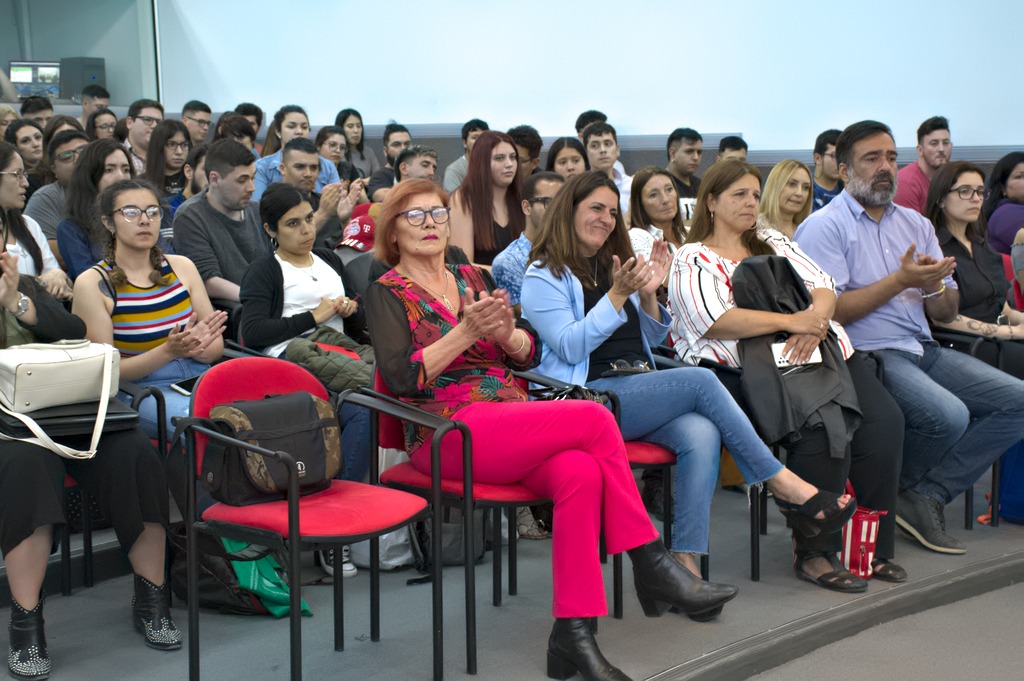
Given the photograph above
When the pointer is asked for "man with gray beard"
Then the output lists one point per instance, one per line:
(890, 277)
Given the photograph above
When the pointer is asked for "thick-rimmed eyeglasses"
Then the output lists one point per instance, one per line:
(199, 121)
(543, 200)
(19, 175)
(417, 216)
(149, 121)
(172, 145)
(966, 192)
(133, 213)
(106, 126)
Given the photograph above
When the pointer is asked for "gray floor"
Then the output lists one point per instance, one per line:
(977, 638)
(90, 636)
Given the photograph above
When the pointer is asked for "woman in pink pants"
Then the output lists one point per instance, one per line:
(446, 341)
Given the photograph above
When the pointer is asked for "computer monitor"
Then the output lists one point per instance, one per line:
(36, 78)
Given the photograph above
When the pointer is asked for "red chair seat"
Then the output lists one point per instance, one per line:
(647, 454)
(405, 474)
(371, 509)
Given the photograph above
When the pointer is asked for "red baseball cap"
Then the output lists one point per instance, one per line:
(358, 234)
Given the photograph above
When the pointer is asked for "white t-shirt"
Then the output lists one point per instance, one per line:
(25, 263)
(303, 289)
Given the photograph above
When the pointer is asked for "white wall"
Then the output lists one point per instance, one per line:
(778, 71)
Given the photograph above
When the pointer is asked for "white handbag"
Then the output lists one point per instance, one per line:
(35, 376)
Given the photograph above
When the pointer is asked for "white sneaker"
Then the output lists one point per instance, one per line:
(326, 560)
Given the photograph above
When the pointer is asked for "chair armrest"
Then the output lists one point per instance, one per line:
(233, 349)
(540, 379)
(139, 394)
(234, 322)
(972, 342)
(662, 362)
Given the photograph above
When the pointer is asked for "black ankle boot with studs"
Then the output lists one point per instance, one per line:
(28, 657)
(152, 616)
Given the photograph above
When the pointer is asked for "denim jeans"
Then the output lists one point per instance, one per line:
(177, 404)
(355, 441)
(689, 412)
(961, 414)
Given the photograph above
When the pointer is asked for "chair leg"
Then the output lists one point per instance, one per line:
(469, 582)
(375, 589)
(495, 516)
(295, 604)
(339, 601)
(617, 585)
(513, 552)
(667, 504)
(996, 475)
(763, 496)
(65, 562)
(969, 508)
(87, 568)
(755, 536)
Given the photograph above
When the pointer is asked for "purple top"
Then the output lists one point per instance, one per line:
(1007, 219)
(857, 251)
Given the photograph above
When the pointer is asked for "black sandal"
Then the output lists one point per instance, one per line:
(887, 571)
(839, 579)
(802, 517)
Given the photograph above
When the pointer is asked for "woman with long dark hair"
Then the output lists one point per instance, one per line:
(954, 206)
(1004, 207)
(356, 151)
(567, 157)
(654, 211)
(486, 215)
(22, 235)
(27, 136)
(80, 235)
(100, 124)
(169, 145)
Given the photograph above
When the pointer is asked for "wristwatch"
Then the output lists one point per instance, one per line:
(22, 305)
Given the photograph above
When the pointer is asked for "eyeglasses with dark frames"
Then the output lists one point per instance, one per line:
(418, 216)
(965, 192)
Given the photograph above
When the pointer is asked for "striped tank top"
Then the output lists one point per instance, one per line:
(143, 317)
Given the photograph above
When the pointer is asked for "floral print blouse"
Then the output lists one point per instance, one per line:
(404, 319)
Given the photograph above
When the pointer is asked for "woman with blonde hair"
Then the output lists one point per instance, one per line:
(787, 197)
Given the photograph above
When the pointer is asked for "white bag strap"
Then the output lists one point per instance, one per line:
(44, 440)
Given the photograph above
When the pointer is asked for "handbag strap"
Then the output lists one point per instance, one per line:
(44, 440)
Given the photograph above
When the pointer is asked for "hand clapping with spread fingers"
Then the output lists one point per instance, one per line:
(192, 338)
(487, 315)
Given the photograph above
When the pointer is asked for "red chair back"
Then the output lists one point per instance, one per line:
(248, 378)
(390, 431)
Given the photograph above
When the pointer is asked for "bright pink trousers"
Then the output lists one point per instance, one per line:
(571, 452)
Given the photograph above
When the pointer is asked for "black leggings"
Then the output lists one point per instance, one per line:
(126, 477)
(873, 464)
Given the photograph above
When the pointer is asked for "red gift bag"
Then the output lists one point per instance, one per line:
(859, 537)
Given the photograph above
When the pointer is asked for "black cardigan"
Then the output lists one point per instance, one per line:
(262, 296)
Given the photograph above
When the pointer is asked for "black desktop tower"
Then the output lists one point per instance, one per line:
(77, 72)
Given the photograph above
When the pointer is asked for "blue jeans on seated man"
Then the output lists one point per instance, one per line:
(689, 412)
(177, 404)
(961, 415)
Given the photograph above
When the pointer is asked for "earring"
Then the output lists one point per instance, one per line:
(712, 216)
(273, 242)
